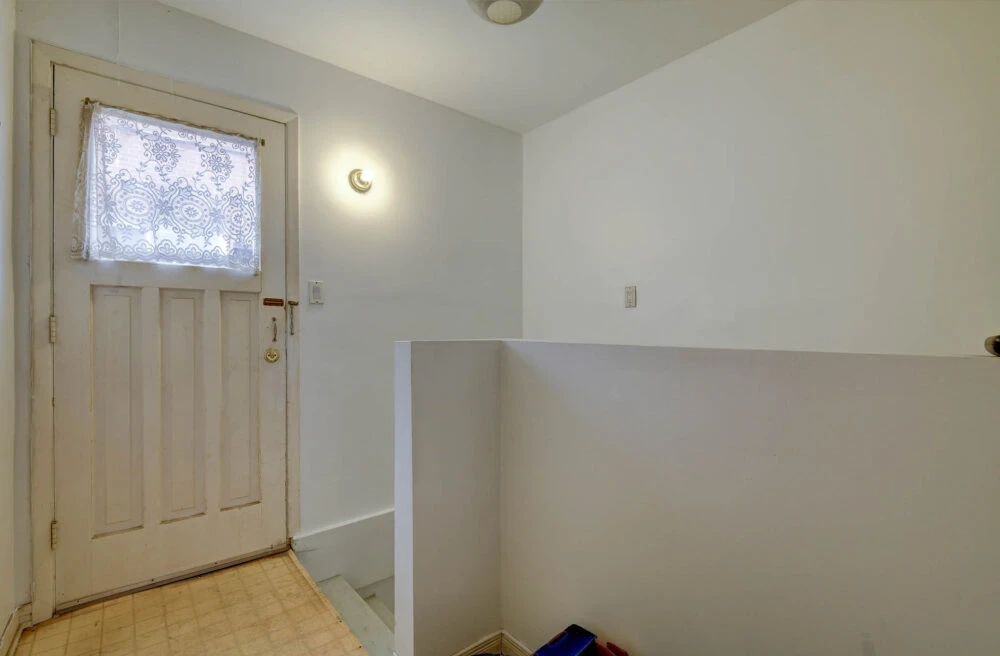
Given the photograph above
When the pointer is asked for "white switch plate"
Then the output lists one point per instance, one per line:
(630, 296)
(316, 294)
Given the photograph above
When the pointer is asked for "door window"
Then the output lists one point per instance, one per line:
(158, 191)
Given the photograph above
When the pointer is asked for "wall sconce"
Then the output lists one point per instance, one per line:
(361, 180)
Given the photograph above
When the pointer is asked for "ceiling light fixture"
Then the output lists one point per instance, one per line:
(504, 12)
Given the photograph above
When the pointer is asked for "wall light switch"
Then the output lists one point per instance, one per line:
(316, 295)
(630, 296)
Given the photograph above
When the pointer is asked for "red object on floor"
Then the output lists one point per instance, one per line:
(611, 649)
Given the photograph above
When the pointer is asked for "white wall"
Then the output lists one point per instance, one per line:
(686, 501)
(7, 381)
(447, 496)
(824, 179)
(695, 501)
(360, 550)
(432, 251)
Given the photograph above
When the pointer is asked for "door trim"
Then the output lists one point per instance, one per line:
(44, 58)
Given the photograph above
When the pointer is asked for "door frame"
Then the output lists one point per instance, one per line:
(44, 58)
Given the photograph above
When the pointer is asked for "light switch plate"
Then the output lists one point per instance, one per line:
(630, 296)
(316, 293)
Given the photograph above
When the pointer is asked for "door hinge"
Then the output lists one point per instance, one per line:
(53, 534)
(52, 329)
(52, 121)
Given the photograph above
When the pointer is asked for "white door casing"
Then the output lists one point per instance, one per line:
(169, 426)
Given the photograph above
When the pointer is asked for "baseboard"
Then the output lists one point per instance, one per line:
(511, 646)
(16, 623)
(500, 642)
(360, 550)
(10, 630)
(491, 644)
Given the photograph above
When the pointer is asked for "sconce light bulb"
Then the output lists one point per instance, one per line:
(361, 180)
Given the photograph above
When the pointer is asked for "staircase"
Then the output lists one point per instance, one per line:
(368, 615)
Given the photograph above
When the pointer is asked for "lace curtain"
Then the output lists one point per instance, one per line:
(156, 191)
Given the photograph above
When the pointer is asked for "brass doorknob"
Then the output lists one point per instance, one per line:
(272, 355)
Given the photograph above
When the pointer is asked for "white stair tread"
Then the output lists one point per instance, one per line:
(364, 622)
(382, 611)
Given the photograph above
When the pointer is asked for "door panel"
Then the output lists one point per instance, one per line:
(240, 447)
(117, 458)
(169, 425)
(182, 442)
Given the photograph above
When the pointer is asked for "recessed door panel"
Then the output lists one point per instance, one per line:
(117, 391)
(182, 440)
(240, 428)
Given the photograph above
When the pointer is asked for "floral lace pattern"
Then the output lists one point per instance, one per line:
(151, 190)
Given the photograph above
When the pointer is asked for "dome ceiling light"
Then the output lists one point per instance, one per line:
(504, 12)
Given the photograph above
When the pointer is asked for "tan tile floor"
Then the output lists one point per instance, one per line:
(268, 606)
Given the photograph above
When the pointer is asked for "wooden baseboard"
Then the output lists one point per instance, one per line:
(511, 646)
(10, 629)
(491, 644)
(500, 642)
(360, 550)
(16, 623)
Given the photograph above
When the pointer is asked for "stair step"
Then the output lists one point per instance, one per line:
(382, 611)
(373, 633)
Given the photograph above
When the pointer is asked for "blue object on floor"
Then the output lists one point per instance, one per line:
(574, 641)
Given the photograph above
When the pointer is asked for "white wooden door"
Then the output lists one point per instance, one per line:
(170, 427)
